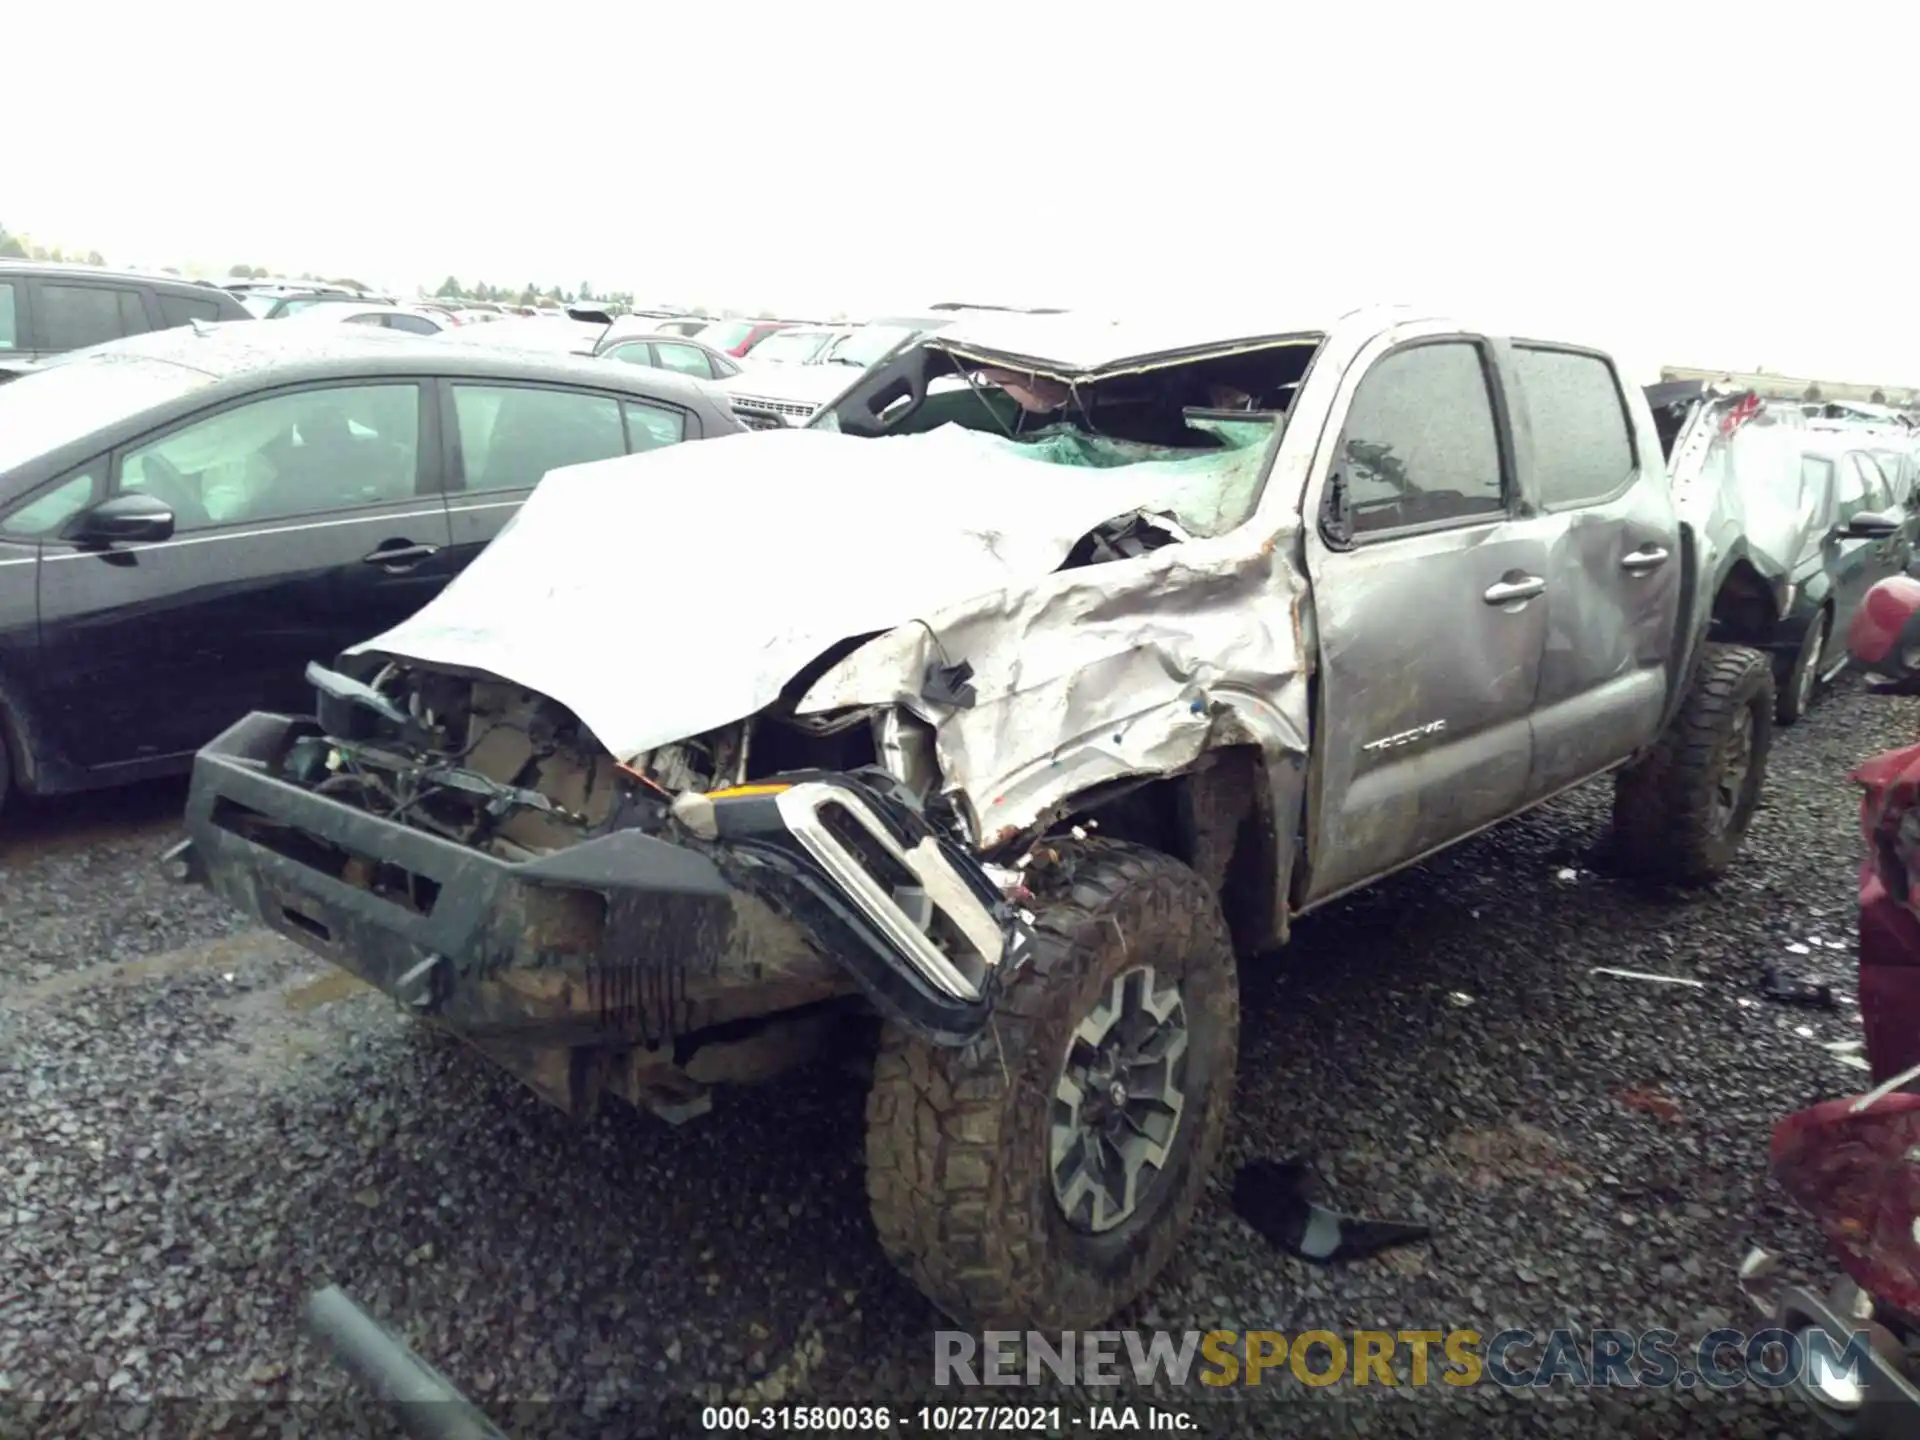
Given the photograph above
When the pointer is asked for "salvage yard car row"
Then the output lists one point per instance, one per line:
(1048, 671)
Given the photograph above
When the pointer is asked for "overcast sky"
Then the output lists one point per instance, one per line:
(1724, 186)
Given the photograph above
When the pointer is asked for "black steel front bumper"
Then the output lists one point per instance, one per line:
(625, 935)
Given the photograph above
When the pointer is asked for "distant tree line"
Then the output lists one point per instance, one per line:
(534, 293)
(22, 247)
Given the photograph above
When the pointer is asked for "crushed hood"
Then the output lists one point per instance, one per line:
(661, 596)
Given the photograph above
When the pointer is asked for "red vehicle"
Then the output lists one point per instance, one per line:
(1854, 1164)
(737, 337)
(1850, 1165)
(1885, 638)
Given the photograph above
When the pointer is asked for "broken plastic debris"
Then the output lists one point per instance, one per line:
(1567, 872)
(1274, 1197)
(1792, 990)
(1805, 1032)
(1854, 1062)
(1758, 1280)
(950, 685)
(1796, 948)
(1011, 882)
(1646, 975)
(1459, 999)
(1886, 1088)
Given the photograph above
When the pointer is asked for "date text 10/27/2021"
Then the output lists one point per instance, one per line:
(946, 1419)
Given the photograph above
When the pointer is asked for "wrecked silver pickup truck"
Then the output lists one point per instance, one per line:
(1012, 713)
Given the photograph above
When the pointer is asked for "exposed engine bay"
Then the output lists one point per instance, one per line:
(516, 775)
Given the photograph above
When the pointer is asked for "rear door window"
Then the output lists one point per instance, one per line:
(1582, 449)
(75, 316)
(512, 435)
(687, 359)
(651, 426)
(634, 352)
(412, 324)
(9, 316)
(185, 309)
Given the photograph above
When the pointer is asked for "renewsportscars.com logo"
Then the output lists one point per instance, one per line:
(1511, 1359)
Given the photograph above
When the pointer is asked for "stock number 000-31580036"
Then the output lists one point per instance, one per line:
(934, 1419)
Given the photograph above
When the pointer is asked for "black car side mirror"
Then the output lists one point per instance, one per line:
(1872, 525)
(122, 520)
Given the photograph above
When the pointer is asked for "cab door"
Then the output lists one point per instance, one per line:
(1614, 574)
(304, 520)
(1430, 597)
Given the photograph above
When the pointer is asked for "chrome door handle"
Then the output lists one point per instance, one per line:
(1506, 592)
(402, 555)
(1648, 557)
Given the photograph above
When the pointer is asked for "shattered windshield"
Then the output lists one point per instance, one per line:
(1206, 491)
(44, 410)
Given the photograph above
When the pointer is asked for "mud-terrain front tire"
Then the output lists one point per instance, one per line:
(1681, 812)
(972, 1152)
(1803, 680)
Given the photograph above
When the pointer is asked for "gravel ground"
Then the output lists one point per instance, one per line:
(199, 1124)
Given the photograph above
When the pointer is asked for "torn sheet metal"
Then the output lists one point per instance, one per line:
(949, 540)
(1097, 674)
(1849, 1167)
(1738, 483)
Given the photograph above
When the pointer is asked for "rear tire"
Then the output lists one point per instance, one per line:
(1680, 813)
(1803, 681)
(975, 1156)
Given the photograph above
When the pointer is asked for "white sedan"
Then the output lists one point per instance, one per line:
(409, 319)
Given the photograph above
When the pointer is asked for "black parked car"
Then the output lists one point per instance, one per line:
(188, 518)
(1856, 525)
(48, 309)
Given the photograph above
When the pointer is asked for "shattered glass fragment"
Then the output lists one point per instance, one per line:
(1274, 1197)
